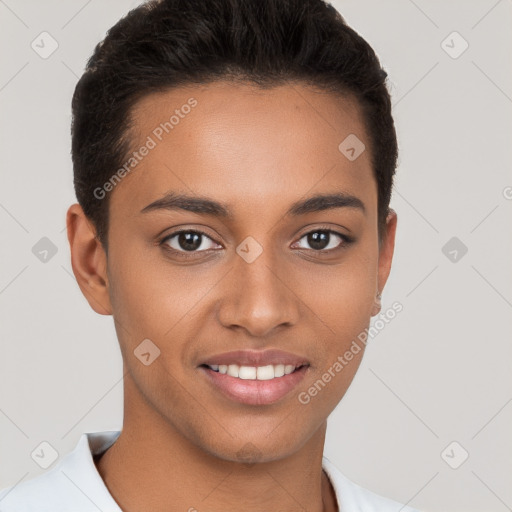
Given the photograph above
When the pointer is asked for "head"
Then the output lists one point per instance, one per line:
(227, 120)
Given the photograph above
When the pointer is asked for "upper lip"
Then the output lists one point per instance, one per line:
(256, 358)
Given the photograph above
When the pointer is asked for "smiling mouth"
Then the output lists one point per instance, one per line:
(267, 372)
(255, 385)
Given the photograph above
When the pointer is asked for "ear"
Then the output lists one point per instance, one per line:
(88, 260)
(386, 251)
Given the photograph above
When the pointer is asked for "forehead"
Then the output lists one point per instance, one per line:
(243, 144)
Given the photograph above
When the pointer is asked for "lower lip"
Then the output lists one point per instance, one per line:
(252, 391)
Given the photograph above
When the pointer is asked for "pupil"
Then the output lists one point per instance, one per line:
(189, 241)
(319, 239)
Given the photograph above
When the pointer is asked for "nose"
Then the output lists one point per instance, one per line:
(258, 297)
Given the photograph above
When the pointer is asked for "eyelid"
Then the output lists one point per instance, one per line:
(325, 227)
(187, 230)
(346, 240)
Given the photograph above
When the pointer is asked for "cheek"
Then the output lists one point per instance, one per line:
(343, 305)
(341, 299)
(135, 287)
(153, 297)
(343, 295)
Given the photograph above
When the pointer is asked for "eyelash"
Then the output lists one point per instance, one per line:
(346, 240)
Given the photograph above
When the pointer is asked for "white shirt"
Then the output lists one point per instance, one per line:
(74, 485)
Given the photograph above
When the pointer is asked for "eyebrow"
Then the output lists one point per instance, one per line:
(207, 206)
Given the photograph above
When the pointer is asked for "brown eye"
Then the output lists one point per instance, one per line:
(189, 241)
(325, 240)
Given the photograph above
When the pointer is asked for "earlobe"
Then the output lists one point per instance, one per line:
(88, 260)
(385, 258)
(377, 305)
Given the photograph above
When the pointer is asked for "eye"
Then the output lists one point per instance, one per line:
(322, 240)
(187, 242)
(190, 241)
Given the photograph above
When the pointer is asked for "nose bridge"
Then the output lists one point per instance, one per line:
(258, 298)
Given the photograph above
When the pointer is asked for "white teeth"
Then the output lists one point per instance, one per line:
(288, 369)
(247, 372)
(278, 370)
(267, 372)
(233, 370)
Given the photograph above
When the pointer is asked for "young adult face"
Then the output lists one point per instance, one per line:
(256, 152)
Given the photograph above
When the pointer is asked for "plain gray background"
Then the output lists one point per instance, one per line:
(440, 372)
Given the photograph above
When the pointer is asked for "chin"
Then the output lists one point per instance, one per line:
(253, 451)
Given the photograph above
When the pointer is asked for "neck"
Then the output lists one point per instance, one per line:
(165, 471)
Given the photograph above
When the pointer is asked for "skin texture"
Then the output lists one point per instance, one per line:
(258, 151)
